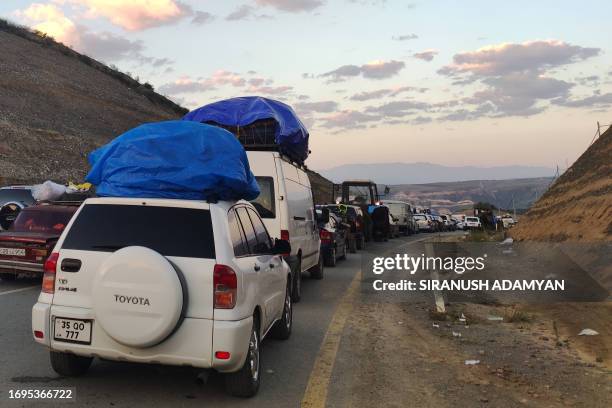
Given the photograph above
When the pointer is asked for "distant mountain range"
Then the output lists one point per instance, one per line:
(421, 173)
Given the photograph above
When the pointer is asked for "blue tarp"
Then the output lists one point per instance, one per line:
(291, 134)
(173, 159)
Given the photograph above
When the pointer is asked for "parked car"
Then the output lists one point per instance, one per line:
(12, 200)
(394, 228)
(402, 212)
(459, 225)
(287, 208)
(507, 221)
(449, 223)
(333, 235)
(423, 222)
(30, 239)
(202, 293)
(472, 223)
(352, 215)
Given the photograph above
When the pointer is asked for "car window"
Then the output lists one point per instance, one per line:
(236, 235)
(265, 203)
(41, 220)
(264, 246)
(18, 195)
(171, 231)
(247, 227)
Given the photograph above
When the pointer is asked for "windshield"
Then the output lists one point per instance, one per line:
(41, 220)
(359, 195)
(471, 219)
(264, 203)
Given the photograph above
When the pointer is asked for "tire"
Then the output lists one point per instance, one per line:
(344, 252)
(69, 365)
(282, 328)
(244, 383)
(330, 260)
(316, 272)
(9, 277)
(361, 244)
(296, 284)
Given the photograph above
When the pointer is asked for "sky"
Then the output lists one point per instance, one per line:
(472, 82)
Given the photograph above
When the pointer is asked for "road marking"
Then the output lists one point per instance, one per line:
(8, 292)
(315, 395)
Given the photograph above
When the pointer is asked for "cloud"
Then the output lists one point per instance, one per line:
(379, 93)
(372, 70)
(291, 6)
(136, 15)
(532, 56)
(405, 37)
(110, 47)
(426, 55)
(596, 100)
(515, 77)
(348, 119)
(185, 85)
(202, 17)
(322, 107)
(241, 13)
(398, 108)
(222, 77)
(270, 90)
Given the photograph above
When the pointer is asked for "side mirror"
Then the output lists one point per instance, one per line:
(281, 247)
(322, 215)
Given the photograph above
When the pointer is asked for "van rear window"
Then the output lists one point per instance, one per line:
(171, 231)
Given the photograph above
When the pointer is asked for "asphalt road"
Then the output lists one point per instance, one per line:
(287, 365)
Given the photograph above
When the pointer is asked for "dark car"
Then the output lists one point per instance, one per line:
(12, 200)
(333, 236)
(30, 239)
(353, 216)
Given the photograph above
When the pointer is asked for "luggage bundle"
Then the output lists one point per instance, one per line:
(259, 124)
(173, 159)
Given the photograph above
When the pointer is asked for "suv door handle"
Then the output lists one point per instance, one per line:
(71, 265)
(257, 268)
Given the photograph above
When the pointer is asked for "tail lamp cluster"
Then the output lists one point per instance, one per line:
(50, 269)
(326, 236)
(225, 286)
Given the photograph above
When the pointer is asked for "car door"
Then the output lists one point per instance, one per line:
(271, 272)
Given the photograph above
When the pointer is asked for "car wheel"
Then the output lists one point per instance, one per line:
(360, 243)
(316, 272)
(69, 365)
(245, 382)
(331, 258)
(8, 276)
(345, 249)
(282, 328)
(296, 289)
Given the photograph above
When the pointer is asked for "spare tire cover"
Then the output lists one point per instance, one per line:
(137, 297)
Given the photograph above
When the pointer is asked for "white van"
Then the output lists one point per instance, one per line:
(402, 212)
(287, 208)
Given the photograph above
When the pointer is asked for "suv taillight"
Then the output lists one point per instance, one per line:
(284, 235)
(225, 286)
(49, 268)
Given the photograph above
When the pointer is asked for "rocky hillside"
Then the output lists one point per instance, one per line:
(578, 206)
(56, 105)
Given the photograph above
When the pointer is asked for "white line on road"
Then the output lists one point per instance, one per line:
(8, 292)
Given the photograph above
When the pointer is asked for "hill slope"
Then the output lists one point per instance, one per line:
(578, 206)
(56, 105)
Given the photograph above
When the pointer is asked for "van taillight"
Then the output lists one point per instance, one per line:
(49, 268)
(225, 286)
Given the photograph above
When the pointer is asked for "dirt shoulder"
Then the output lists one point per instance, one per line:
(392, 355)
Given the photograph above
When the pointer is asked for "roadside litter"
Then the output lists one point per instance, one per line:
(495, 318)
(507, 241)
(48, 191)
(588, 332)
(456, 334)
(472, 362)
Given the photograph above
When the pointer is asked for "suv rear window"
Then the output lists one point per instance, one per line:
(171, 231)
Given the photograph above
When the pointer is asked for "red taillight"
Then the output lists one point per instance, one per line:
(326, 236)
(226, 285)
(50, 267)
(222, 355)
(284, 235)
(38, 334)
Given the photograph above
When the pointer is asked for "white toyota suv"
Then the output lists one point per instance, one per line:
(162, 281)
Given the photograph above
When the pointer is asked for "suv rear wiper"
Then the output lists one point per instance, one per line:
(113, 247)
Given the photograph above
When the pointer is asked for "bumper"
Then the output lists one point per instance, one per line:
(193, 344)
(20, 267)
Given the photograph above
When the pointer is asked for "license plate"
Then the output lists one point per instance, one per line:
(72, 330)
(12, 251)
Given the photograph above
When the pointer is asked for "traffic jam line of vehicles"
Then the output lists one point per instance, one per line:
(114, 288)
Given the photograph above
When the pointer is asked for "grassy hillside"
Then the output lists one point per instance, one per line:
(578, 206)
(56, 105)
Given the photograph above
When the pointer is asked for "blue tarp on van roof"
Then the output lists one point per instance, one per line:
(290, 135)
(173, 159)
